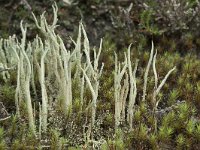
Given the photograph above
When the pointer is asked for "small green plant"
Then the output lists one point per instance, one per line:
(197, 132)
(8, 95)
(118, 142)
(142, 134)
(153, 140)
(180, 140)
(190, 127)
(108, 121)
(16, 145)
(137, 116)
(173, 96)
(13, 128)
(104, 146)
(2, 142)
(168, 119)
(184, 112)
(147, 24)
(55, 139)
(165, 133)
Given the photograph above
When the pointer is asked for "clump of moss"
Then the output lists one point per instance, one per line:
(7, 95)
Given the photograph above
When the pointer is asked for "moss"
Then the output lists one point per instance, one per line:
(153, 140)
(2, 142)
(7, 95)
(108, 121)
(54, 139)
(17, 145)
(180, 140)
(74, 148)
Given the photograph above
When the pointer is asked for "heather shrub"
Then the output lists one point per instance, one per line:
(171, 15)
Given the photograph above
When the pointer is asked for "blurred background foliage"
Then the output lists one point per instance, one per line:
(172, 24)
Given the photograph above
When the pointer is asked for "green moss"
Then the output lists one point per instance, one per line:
(55, 139)
(74, 148)
(165, 133)
(109, 121)
(7, 95)
(153, 141)
(180, 140)
(105, 146)
(173, 96)
(2, 142)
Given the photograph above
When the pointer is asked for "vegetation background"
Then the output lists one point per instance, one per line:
(173, 26)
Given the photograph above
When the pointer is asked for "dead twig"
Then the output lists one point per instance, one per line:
(4, 115)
